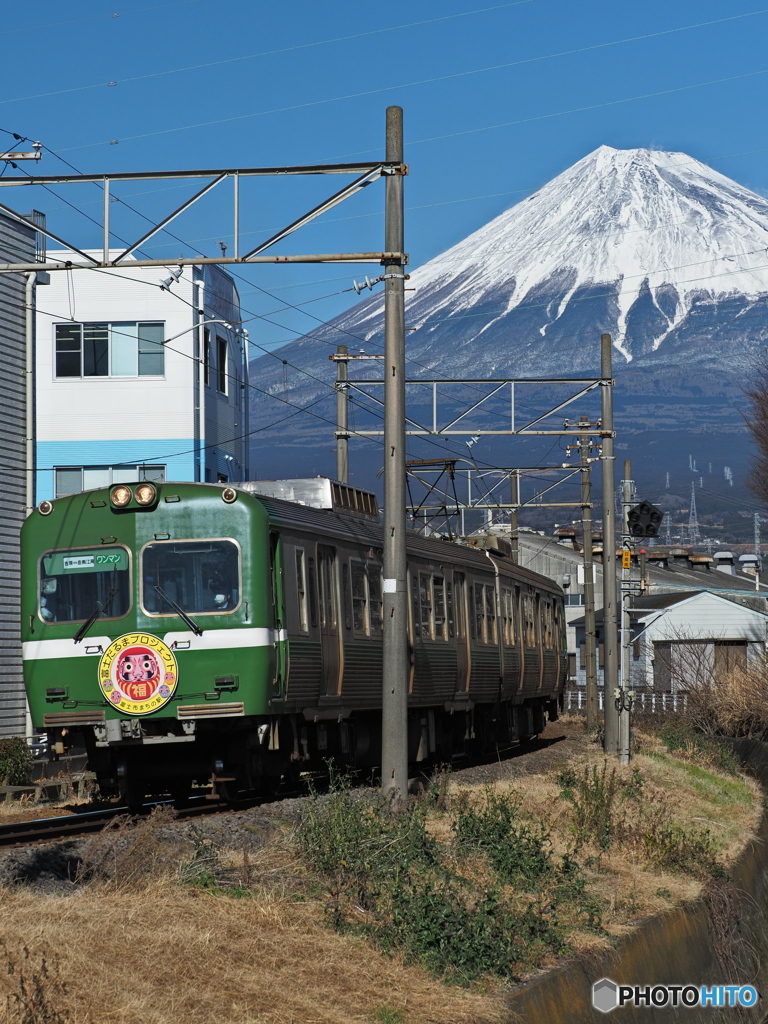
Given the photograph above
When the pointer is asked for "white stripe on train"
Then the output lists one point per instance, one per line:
(211, 640)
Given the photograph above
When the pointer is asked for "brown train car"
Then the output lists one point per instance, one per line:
(487, 649)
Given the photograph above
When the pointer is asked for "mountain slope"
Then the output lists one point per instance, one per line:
(661, 251)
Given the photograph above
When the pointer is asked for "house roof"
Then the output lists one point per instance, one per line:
(647, 604)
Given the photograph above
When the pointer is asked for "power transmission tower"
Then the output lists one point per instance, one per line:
(694, 537)
(668, 529)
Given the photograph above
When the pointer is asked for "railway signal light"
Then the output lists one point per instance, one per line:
(644, 520)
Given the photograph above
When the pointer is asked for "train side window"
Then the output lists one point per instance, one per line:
(438, 591)
(312, 588)
(327, 567)
(449, 611)
(479, 618)
(529, 618)
(507, 611)
(415, 602)
(459, 587)
(425, 596)
(345, 598)
(374, 596)
(301, 589)
(359, 597)
(490, 613)
(549, 630)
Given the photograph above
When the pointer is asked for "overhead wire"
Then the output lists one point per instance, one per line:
(457, 259)
(38, 26)
(270, 53)
(464, 74)
(295, 306)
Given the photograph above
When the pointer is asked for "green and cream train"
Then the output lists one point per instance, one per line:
(186, 633)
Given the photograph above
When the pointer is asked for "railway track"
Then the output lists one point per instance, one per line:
(50, 830)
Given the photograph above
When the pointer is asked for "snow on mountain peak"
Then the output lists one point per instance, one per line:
(644, 222)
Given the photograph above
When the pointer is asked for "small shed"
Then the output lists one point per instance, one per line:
(678, 640)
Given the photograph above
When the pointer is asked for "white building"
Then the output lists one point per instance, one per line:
(139, 374)
(679, 640)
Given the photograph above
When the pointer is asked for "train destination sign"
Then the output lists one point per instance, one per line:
(138, 673)
(59, 563)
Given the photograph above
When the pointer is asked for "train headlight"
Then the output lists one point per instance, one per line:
(45, 508)
(229, 494)
(120, 495)
(145, 494)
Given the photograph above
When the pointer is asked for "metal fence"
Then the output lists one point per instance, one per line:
(649, 703)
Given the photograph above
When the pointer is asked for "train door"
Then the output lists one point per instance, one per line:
(521, 637)
(540, 611)
(463, 656)
(330, 634)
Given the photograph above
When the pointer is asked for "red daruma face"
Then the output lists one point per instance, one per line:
(138, 673)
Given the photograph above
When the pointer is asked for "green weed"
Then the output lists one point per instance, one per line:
(677, 848)
(593, 795)
(387, 877)
(682, 737)
(388, 1015)
(518, 851)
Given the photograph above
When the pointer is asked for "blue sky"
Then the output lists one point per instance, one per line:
(498, 99)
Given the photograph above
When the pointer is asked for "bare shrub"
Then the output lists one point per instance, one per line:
(718, 703)
(131, 852)
(756, 390)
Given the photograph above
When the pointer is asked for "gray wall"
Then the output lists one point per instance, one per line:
(17, 244)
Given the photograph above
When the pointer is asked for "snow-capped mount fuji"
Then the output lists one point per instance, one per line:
(656, 248)
(629, 241)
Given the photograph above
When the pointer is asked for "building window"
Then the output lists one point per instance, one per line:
(120, 349)
(73, 480)
(221, 365)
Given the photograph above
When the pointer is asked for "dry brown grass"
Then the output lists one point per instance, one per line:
(26, 810)
(171, 955)
(683, 789)
(134, 946)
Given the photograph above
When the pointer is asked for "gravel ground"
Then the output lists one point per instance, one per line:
(58, 867)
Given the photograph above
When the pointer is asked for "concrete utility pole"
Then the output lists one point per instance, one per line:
(342, 415)
(626, 542)
(589, 580)
(394, 732)
(610, 617)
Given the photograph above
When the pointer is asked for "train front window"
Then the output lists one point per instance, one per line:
(75, 584)
(199, 576)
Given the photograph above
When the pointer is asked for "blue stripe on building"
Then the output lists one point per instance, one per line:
(176, 454)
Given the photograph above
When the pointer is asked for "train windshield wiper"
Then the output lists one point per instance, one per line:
(180, 612)
(107, 604)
